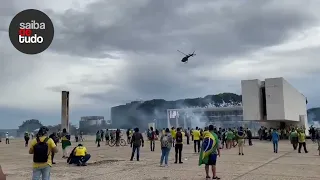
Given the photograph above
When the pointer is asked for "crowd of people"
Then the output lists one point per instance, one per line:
(207, 142)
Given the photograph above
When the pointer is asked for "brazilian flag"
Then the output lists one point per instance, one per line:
(65, 141)
(209, 145)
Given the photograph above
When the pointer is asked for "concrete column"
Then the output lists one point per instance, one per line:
(65, 110)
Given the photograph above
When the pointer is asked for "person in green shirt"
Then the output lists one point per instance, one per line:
(302, 141)
(229, 137)
(294, 138)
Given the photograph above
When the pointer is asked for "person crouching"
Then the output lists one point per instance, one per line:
(79, 156)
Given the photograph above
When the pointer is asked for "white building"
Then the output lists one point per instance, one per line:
(273, 101)
(90, 121)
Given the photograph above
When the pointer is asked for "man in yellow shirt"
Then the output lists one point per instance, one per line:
(196, 139)
(79, 156)
(42, 147)
(302, 141)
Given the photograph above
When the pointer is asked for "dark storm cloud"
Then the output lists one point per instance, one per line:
(150, 28)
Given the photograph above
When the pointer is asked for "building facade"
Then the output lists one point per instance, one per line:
(224, 117)
(273, 101)
(87, 121)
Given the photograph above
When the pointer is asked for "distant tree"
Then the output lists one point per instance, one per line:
(29, 125)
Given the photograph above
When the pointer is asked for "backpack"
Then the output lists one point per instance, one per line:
(165, 141)
(179, 137)
(150, 135)
(41, 151)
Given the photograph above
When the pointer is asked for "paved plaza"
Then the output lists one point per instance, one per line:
(112, 163)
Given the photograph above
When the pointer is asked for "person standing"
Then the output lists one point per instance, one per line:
(7, 138)
(196, 140)
(166, 141)
(294, 138)
(249, 136)
(102, 135)
(275, 140)
(26, 138)
(55, 139)
(81, 136)
(151, 137)
(118, 134)
(209, 152)
(318, 138)
(178, 146)
(65, 142)
(173, 134)
(229, 138)
(42, 148)
(76, 136)
(107, 136)
(136, 142)
(240, 137)
(187, 132)
(302, 141)
(98, 138)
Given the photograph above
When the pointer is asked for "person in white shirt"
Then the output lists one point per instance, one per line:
(7, 138)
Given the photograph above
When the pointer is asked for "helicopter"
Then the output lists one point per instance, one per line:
(186, 58)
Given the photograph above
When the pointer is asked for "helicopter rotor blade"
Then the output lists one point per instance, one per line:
(182, 52)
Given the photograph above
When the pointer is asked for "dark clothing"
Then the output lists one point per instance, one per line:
(249, 135)
(195, 144)
(188, 139)
(54, 138)
(80, 160)
(152, 135)
(275, 146)
(212, 160)
(135, 149)
(26, 139)
(117, 135)
(137, 139)
(178, 151)
(304, 147)
(7, 141)
(152, 145)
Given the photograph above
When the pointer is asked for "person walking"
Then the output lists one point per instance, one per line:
(275, 140)
(65, 142)
(7, 138)
(136, 142)
(302, 141)
(294, 138)
(98, 138)
(55, 139)
(178, 146)
(26, 139)
(196, 140)
(42, 148)
(151, 137)
(166, 141)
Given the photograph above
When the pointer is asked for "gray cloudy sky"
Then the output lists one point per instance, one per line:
(110, 52)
